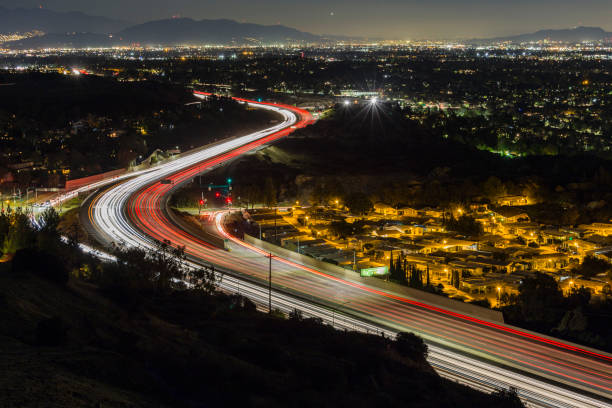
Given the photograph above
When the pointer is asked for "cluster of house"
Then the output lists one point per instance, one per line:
(511, 248)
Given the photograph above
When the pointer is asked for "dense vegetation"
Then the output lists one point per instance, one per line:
(541, 306)
(126, 122)
(394, 159)
(78, 332)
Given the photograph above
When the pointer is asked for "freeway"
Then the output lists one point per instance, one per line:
(546, 372)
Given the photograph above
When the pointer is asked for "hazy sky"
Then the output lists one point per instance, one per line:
(398, 19)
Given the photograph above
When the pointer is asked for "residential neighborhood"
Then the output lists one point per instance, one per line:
(487, 266)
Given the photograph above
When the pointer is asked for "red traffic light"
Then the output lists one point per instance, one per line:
(201, 202)
(229, 201)
(217, 194)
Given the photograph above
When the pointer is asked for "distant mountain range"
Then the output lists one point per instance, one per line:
(65, 40)
(188, 31)
(27, 20)
(77, 30)
(570, 35)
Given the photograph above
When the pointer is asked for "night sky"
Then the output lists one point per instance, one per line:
(394, 19)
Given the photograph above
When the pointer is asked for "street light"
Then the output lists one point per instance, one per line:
(270, 286)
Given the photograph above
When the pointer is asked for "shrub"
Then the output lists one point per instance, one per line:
(411, 346)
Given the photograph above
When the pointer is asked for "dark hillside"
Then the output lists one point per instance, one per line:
(74, 346)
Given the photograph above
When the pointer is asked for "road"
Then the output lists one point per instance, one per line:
(485, 355)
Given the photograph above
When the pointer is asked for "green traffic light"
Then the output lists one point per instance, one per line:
(229, 181)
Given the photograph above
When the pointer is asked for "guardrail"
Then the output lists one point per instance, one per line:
(390, 287)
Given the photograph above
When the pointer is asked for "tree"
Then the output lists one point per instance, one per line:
(416, 278)
(540, 300)
(296, 315)
(269, 192)
(411, 346)
(19, 235)
(320, 194)
(48, 234)
(160, 268)
(507, 399)
(358, 203)
(493, 188)
(573, 321)
(396, 270)
(49, 221)
(343, 229)
(455, 279)
(579, 297)
(465, 225)
(205, 279)
(592, 266)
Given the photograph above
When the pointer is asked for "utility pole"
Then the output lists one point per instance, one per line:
(275, 230)
(270, 286)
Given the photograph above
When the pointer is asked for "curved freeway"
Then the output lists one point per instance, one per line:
(545, 371)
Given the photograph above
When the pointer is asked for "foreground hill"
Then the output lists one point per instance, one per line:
(80, 344)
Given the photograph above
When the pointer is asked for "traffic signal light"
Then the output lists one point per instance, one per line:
(217, 194)
(201, 202)
(229, 200)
